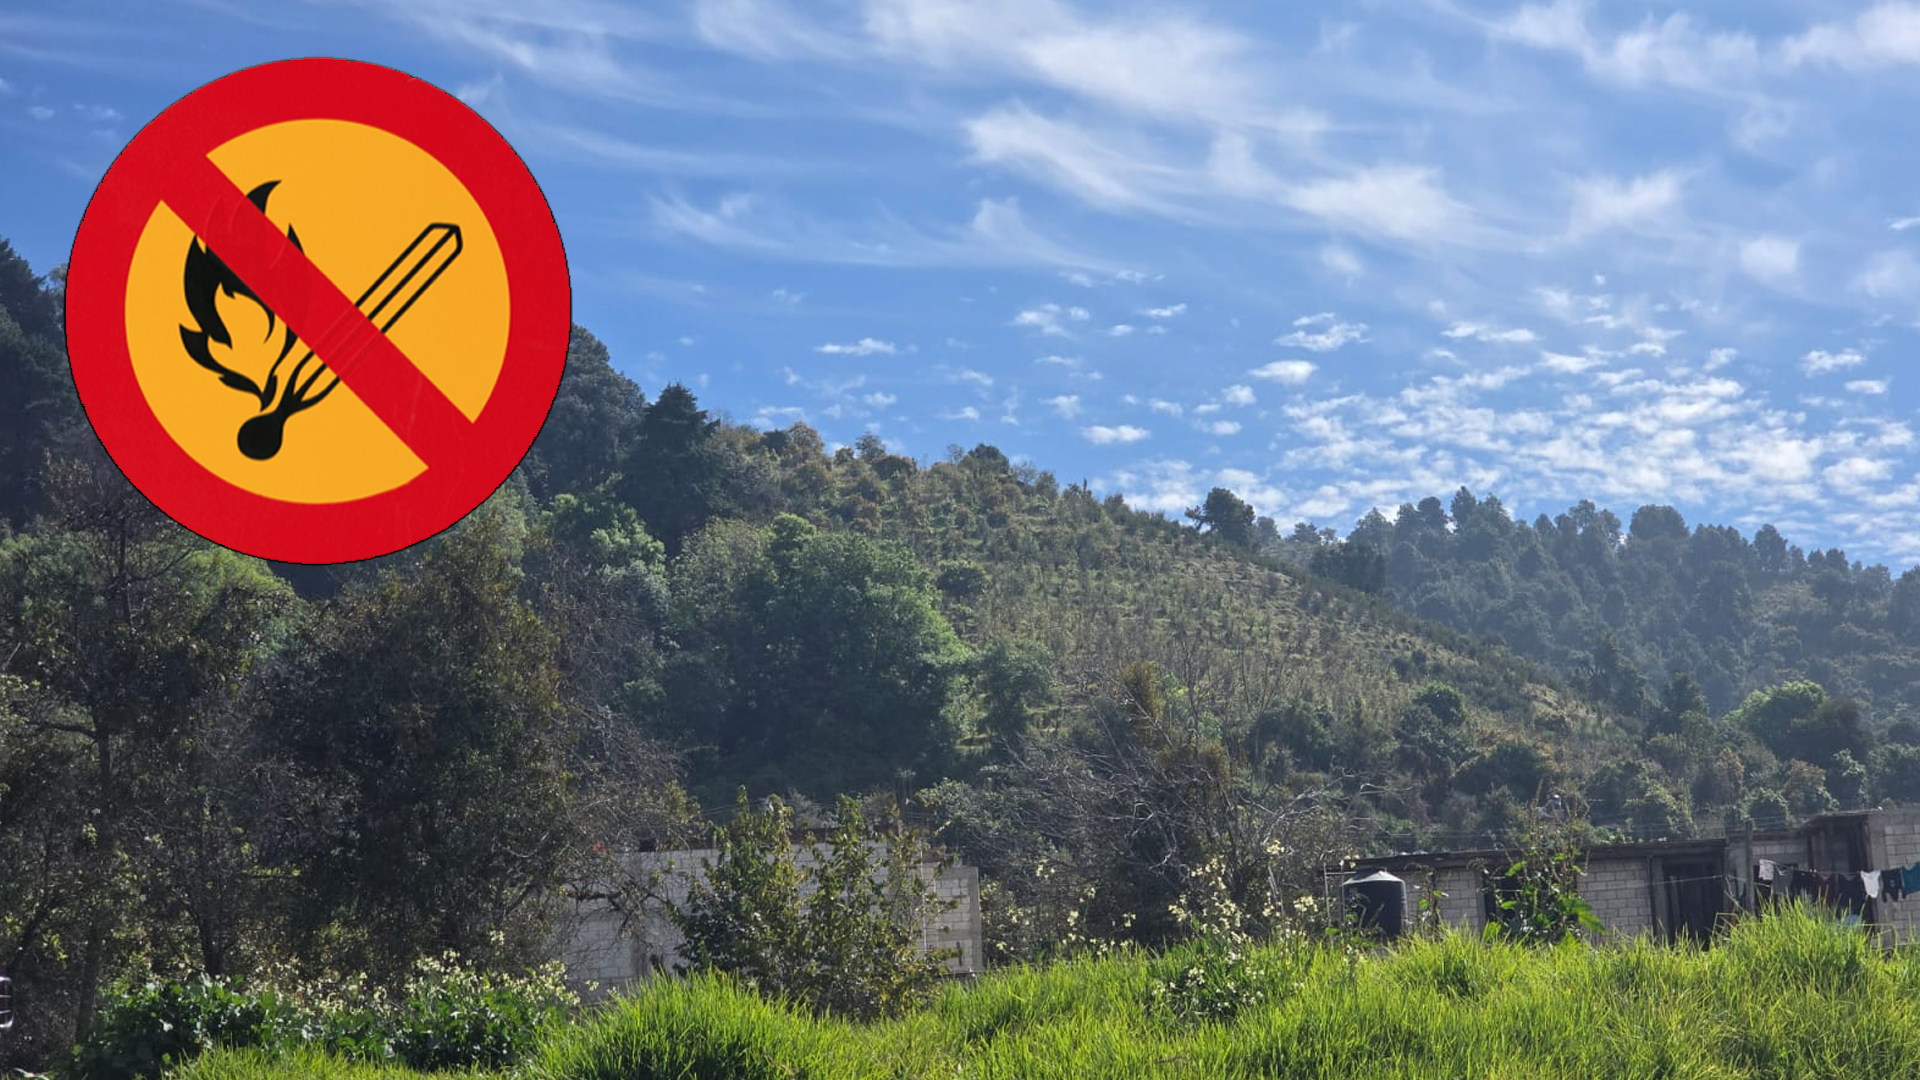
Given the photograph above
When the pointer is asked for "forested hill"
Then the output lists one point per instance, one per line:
(1618, 609)
(199, 764)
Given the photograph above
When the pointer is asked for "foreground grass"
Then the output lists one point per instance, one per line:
(1789, 996)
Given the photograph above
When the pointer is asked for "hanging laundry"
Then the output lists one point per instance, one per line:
(1910, 879)
(1802, 884)
(1765, 871)
(1826, 887)
(1851, 892)
(1870, 880)
(1890, 885)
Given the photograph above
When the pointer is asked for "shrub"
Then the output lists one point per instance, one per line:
(449, 1015)
(1539, 893)
(161, 1024)
(455, 1017)
(842, 937)
(1219, 971)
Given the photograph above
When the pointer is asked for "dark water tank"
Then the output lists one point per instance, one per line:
(1377, 902)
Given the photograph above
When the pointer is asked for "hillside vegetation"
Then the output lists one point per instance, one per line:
(209, 764)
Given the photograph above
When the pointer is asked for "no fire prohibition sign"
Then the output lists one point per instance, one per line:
(317, 311)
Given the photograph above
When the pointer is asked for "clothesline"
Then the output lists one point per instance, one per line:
(1854, 887)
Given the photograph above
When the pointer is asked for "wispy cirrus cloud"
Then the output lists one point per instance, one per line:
(1324, 332)
(866, 346)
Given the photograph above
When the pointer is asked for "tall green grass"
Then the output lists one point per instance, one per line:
(1789, 996)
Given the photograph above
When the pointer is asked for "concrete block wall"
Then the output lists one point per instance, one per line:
(1893, 839)
(1464, 904)
(1617, 891)
(600, 944)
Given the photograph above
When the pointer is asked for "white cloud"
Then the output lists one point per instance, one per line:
(1223, 427)
(1171, 66)
(97, 114)
(1238, 395)
(1567, 364)
(787, 297)
(1167, 312)
(978, 378)
(1071, 363)
(1883, 35)
(1856, 472)
(40, 112)
(1489, 334)
(1398, 201)
(1335, 334)
(1166, 486)
(1601, 203)
(1101, 435)
(866, 346)
(1067, 405)
(1046, 318)
(763, 30)
(996, 235)
(968, 413)
(1770, 258)
(1119, 330)
(1868, 386)
(1078, 314)
(1341, 261)
(1903, 224)
(772, 415)
(880, 399)
(1719, 358)
(1671, 51)
(1820, 361)
(1889, 275)
(1171, 408)
(1287, 372)
(1104, 168)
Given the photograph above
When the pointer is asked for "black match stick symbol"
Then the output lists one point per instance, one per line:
(391, 294)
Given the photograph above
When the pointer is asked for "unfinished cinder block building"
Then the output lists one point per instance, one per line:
(1674, 888)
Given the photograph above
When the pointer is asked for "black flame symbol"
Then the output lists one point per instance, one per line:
(206, 275)
(391, 295)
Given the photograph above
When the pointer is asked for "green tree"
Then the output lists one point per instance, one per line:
(1357, 566)
(849, 671)
(425, 712)
(124, 641)
(1015, 679)
(840, 934)
(1225, 516)
(674, 474)
(591, 427)
(39, 405)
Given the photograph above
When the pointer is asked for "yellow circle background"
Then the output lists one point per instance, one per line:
(356, 196)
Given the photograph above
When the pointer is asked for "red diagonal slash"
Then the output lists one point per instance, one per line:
(326, 320)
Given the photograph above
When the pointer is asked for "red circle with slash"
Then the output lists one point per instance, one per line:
(167, 162)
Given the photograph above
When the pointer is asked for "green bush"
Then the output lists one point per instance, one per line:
(160, 1024)
(456, 1018)
(1219, 972)
(448, 1015)
(841, 936)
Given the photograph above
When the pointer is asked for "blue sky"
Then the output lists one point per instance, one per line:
(1331, 256)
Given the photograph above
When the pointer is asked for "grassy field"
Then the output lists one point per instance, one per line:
(1791, 996)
